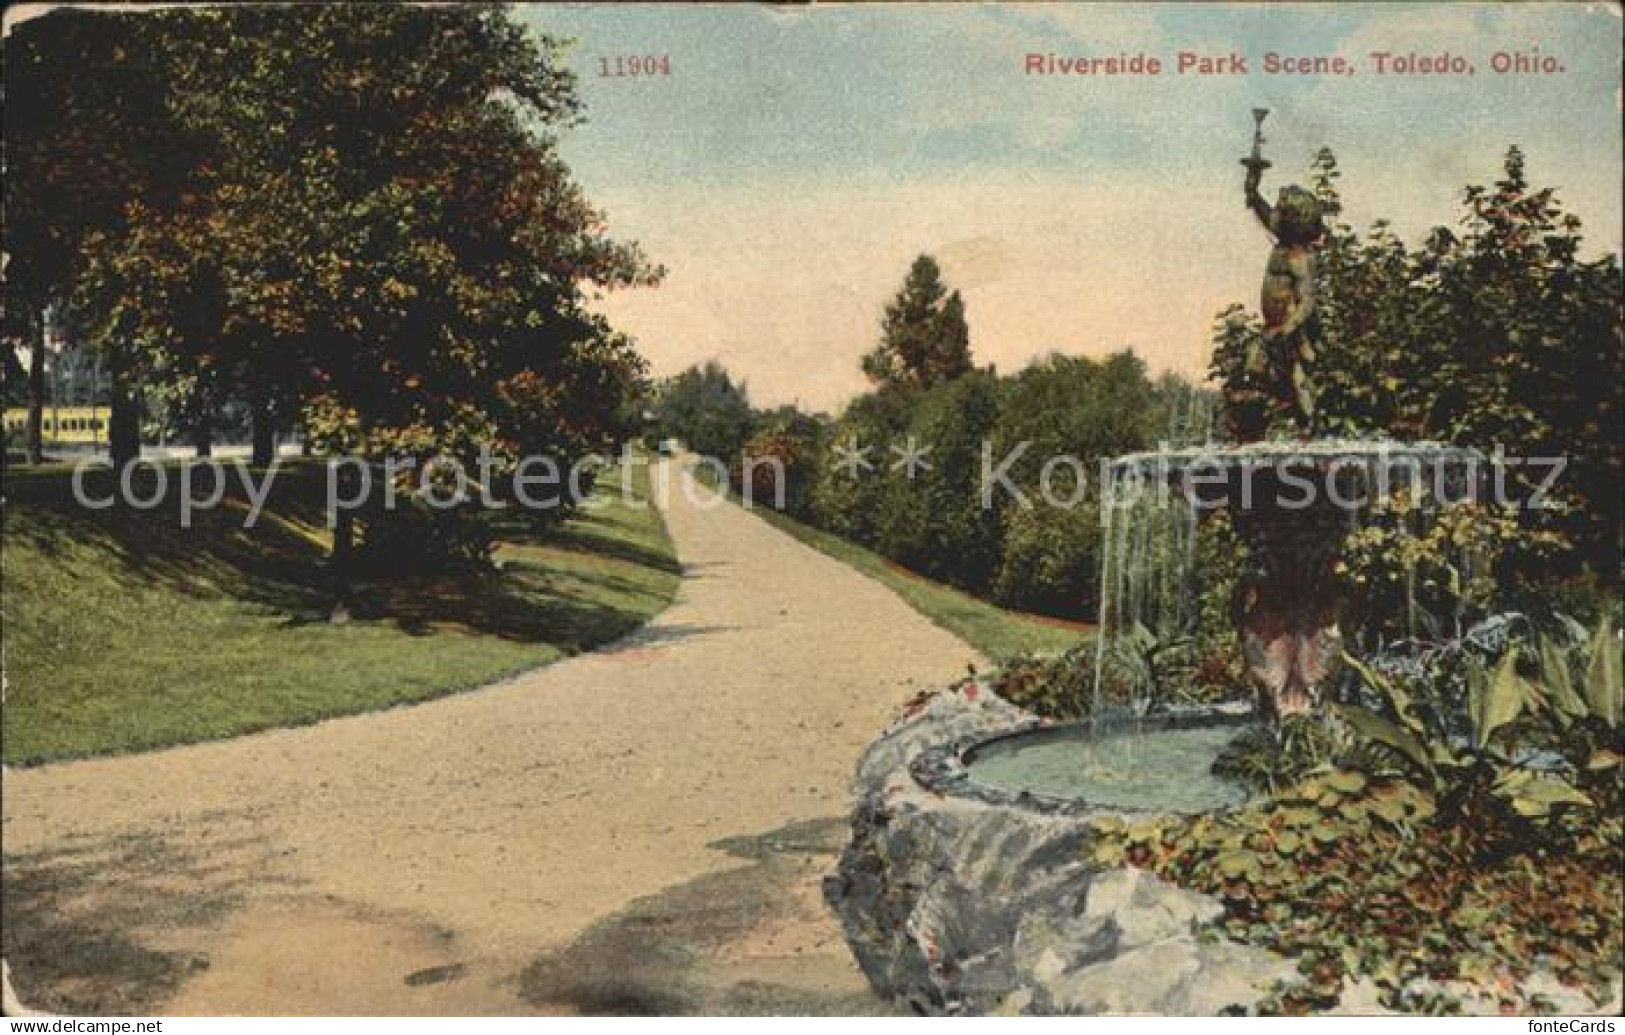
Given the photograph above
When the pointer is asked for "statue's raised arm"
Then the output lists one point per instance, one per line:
(1255, 200)
(1281, 364)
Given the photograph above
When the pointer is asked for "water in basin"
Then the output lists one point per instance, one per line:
(1161, 770)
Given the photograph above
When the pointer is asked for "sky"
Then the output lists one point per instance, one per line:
(796, 160)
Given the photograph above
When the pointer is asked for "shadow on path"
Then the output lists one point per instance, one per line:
(84, 945)
(754, 940)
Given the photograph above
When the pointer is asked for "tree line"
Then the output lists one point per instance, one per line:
(1037, 550)
(1494, 334)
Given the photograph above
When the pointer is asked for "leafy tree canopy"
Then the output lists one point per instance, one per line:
(705, 409)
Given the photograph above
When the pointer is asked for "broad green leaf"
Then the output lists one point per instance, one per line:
(1397, 697)
(1328, 832)
(1557, 681)
(1297, 816)
(1346, 781)
(1498, 700)
(1374, 727)
(1603, 691)
(1538, 795)
(1244, 865)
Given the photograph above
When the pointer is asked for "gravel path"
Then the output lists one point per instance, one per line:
(640, 829)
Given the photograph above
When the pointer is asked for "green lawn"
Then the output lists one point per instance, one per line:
(125, 633)
(998, 633)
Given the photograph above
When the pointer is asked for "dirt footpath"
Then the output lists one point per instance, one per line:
(642, 829)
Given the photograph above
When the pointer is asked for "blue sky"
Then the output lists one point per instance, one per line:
(796, 159)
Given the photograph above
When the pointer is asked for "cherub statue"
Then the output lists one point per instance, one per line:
(1285, 609)
(1284, 364)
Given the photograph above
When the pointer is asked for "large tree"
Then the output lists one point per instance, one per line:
(373, 233)
(87, 132)
(386, 229)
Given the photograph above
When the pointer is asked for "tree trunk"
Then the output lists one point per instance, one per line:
(123, 419)
(203, 432)
(264, 432)
(343, 551)
(36, 389)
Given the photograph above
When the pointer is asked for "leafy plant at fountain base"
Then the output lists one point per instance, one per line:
(1138, 671)
(1360, 877)
(1270, 758)
(1059, 687)
(1541, 734)
(1148, 670)
(1478, 848)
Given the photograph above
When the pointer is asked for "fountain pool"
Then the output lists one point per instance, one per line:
(1139, 767)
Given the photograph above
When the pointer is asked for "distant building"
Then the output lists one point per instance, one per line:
(63, 425)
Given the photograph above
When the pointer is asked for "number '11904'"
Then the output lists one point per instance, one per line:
(634, 65)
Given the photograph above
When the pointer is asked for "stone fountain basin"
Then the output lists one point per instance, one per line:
(958, 895)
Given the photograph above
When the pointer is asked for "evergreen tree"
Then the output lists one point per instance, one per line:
(924, 337)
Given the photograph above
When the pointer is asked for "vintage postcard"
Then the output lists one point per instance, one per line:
(820, 509)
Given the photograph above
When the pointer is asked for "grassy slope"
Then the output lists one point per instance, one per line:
(129, 633)
(998, 633)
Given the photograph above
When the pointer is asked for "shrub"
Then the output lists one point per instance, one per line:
(783, 459)
(1072, 406)
(1412, 573)
(1071, 413)
(1050, 559)
(846, 501)
(933, 521)
(1056, 688)
(1498, 333)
